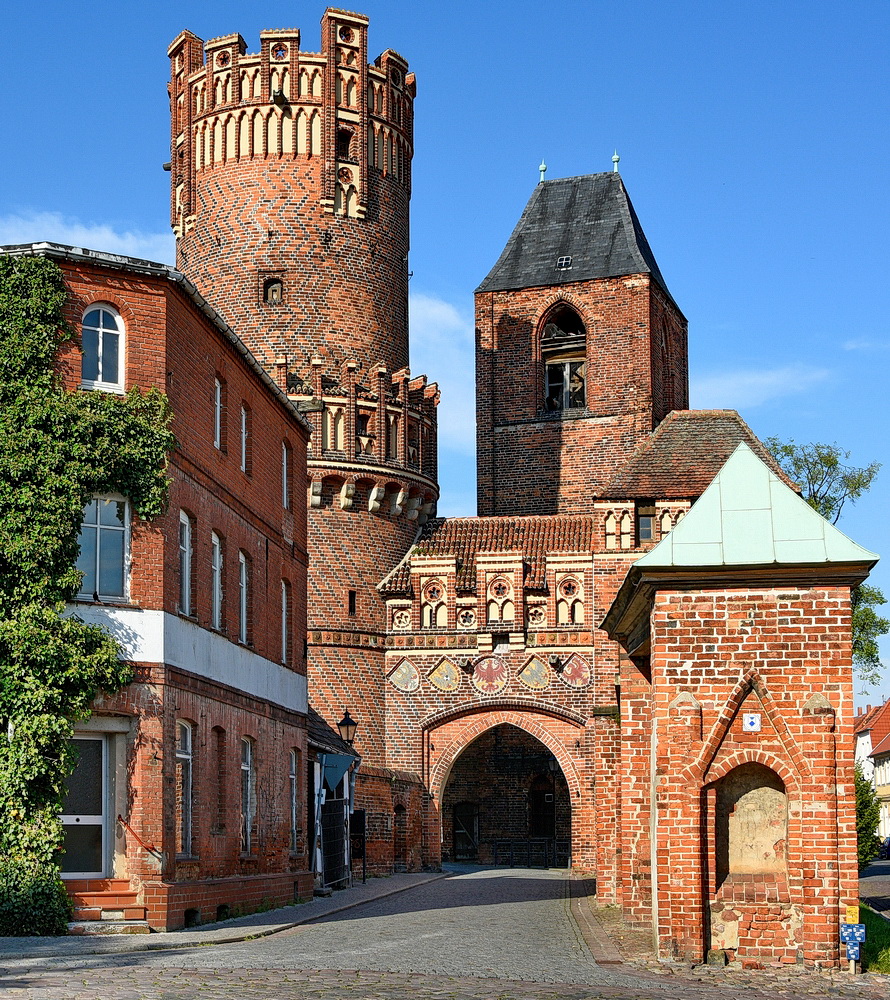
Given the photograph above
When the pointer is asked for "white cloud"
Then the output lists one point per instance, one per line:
(864, 344)
(53, 227)
(443, 348)
(736, 390)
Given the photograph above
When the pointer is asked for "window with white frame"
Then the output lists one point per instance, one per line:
(294, 799)
(183, 789)
(243, 597)
(102, 341)
(216, 580)
(285, 621)
(104, 549)
(185, 563)
(218, 413)
(248, 794)
(245, 439)
(285, 475)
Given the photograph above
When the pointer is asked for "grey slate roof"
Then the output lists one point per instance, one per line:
(590, 218)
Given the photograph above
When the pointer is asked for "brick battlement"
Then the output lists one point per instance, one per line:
(314, 149)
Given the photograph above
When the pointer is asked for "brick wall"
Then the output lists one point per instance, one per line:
(531, 461)
(784, 655)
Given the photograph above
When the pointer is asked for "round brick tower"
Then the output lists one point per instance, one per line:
(290, 189)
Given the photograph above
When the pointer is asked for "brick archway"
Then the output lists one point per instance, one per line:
(459, 732)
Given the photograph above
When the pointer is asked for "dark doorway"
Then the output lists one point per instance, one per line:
(400, 839)
(542, 807)
(507, 802)
(465, 836)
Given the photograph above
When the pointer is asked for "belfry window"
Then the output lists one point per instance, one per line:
(564, 353)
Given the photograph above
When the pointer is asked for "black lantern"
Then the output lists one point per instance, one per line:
(347, 726)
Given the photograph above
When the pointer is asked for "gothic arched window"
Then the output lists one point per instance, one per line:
(564, 353)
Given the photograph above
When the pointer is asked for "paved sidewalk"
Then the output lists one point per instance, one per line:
(255, 925)
(874, 886)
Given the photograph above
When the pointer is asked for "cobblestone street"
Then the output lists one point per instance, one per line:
(491, 933)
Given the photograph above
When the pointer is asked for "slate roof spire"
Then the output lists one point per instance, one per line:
(590, 219)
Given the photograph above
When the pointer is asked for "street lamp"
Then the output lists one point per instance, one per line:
(347, 727)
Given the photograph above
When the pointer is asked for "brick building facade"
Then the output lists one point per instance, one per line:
(190, 798)
(637, 658)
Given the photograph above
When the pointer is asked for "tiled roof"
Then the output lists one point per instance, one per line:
(862, 723)
(463, 537)
(882, 748)
(324, 737)
(683, 454)
(589, 219)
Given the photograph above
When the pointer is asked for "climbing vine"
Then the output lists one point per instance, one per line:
(57, 449)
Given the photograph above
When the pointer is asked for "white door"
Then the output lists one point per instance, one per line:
(85, 811)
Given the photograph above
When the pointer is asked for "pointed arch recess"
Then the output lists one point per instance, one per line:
(750, 681)
(535, 727)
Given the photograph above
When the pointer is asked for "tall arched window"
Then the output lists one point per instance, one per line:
(564, 353)
(183, 789)
(102, 340)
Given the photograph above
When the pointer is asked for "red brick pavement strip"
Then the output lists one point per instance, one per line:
(134, 983)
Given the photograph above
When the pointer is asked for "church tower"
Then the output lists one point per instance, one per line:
(290, 188)
(580, 350)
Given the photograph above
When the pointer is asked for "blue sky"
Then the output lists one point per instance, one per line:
(753, 140)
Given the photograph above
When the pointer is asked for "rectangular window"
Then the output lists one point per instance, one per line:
(351, 601)
(565, 385)
(243, 597)
(248, 796)
(218, 409)
(645, 524)
(183, 789)
(285, 621)
(245, 439)
(285, 475)
(216, 581)
(185, 563)
(294, 798)
(104, 549)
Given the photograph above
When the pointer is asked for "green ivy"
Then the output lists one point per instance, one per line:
(57, 449)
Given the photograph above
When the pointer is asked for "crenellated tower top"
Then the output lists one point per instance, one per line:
(290, 185)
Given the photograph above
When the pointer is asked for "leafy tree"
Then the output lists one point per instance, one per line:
(868, 815)
(827, 482)
(57, 448)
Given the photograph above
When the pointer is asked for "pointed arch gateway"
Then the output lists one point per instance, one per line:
(506, 787)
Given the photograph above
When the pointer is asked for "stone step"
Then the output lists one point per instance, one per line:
(96, 927)
(109, 913)
(105, 900)
(96, 884)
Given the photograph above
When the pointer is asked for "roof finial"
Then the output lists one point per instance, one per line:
(615, 159)
(543, 169)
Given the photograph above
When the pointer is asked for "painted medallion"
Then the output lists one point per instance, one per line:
(490, 675)
(405, 677)
(535, 674)
(445, 676)
(576, 673)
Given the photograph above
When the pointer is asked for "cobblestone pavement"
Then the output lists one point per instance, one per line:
(874, 885)
(490, 934)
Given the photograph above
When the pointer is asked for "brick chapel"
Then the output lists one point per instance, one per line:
(636, 660)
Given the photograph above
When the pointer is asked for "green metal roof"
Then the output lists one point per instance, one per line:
(749, 517)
